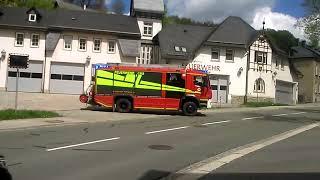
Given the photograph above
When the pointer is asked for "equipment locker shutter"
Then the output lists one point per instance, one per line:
(66, 78)
(30, 79)
(284, 92)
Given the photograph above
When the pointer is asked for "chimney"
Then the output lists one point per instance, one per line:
(84, 7)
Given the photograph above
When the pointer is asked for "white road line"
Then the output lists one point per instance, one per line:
(218, 122)
(258, 117)
(278, 115)
(204, 167)
(82, 144)
(165, 130)
(299, 113)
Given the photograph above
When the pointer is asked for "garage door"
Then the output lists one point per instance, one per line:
(219, 85)
(284, 92)
(30, 79)
(66, 78)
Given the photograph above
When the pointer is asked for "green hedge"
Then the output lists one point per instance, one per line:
(10, 114)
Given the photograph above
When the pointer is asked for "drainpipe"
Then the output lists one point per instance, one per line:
(247, 77)
(44, 63)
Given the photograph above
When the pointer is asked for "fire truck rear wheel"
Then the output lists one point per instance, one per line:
(189, 108)
(123, 105)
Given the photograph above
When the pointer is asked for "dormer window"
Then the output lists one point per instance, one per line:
(177, 49)
(32, 17)
(184, 49)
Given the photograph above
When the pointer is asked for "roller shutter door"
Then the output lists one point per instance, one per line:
(66, 78)
(284, 92)
(30, 79)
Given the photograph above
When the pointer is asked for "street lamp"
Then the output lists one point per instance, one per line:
(3, 54)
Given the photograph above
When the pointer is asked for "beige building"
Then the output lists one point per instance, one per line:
(306, 62)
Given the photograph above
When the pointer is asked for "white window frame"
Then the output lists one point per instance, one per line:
(262, 86)
(230, 60)
(16, 39)
(145, 55)
(64, 42)
(32, 17)
(316, 70)
(85, 45)
(215, 50)
(177, 48)
(264, 56)
(94, 44)
(31, 41)
(114, 47)
(149, 29)
(183, 49)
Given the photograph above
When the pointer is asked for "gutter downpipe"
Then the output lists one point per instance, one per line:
(247, 77)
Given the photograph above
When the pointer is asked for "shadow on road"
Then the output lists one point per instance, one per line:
(163, 175)
(155, 112)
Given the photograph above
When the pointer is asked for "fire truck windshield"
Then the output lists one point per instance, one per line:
(201, 81)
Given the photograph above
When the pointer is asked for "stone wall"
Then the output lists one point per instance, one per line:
(237, 99)
(260, 99)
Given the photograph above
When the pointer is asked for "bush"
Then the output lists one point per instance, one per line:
(25, 114)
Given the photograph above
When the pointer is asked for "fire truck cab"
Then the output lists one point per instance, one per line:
(125, 88)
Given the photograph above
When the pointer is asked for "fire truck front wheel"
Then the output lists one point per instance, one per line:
(123, 105)
(189, 108)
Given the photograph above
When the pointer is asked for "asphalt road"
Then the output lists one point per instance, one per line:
(149, 149)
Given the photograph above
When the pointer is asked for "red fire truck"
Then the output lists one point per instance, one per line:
(125, 88)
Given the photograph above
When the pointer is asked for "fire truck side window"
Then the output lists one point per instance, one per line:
(175, 79)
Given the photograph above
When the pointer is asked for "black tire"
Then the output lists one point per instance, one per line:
(189, 108)
(123, 105)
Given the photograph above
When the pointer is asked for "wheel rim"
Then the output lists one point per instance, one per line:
(124, 106)
(190, 108)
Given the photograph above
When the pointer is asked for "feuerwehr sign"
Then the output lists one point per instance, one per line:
(204, 67)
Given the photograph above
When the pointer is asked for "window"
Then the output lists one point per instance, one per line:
(36, 75)
(111, 47)
(229, 55)
(317, 71)
(277, 62)
(35, 40)
(184, 49)
(259, 86)
(147, 29)
(67, 42)
(145, 55)
(177, 48)
(66, 77)
(56, 76)
(82, 44)
(19, 39)
(282, 64)
(25, 74)
(215, 54)
(260, 57)
(32, 17)
(97, 45)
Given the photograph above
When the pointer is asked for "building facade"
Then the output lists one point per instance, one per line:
(306, 62)
(243, 64)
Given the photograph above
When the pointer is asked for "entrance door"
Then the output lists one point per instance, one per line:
(219, 85)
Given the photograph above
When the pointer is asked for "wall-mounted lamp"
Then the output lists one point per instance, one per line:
(240, 71)
(88, 59)
(3, 54)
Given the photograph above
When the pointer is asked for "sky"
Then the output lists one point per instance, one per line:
(278, 14)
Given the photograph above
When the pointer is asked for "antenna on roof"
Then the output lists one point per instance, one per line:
(263, 23)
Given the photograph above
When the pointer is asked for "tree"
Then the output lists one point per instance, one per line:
(283, 39)
(311, 23)
(118, 7)
(43, 4)
(182, 20)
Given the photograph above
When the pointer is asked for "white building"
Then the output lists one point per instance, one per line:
(242, 63)
(63, 47)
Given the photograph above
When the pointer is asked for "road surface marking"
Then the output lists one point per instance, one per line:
(299, 113)
(258, 117)
(204, 167)
(278, 115)
(165, 130)
(218, 122)
(82, 144)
